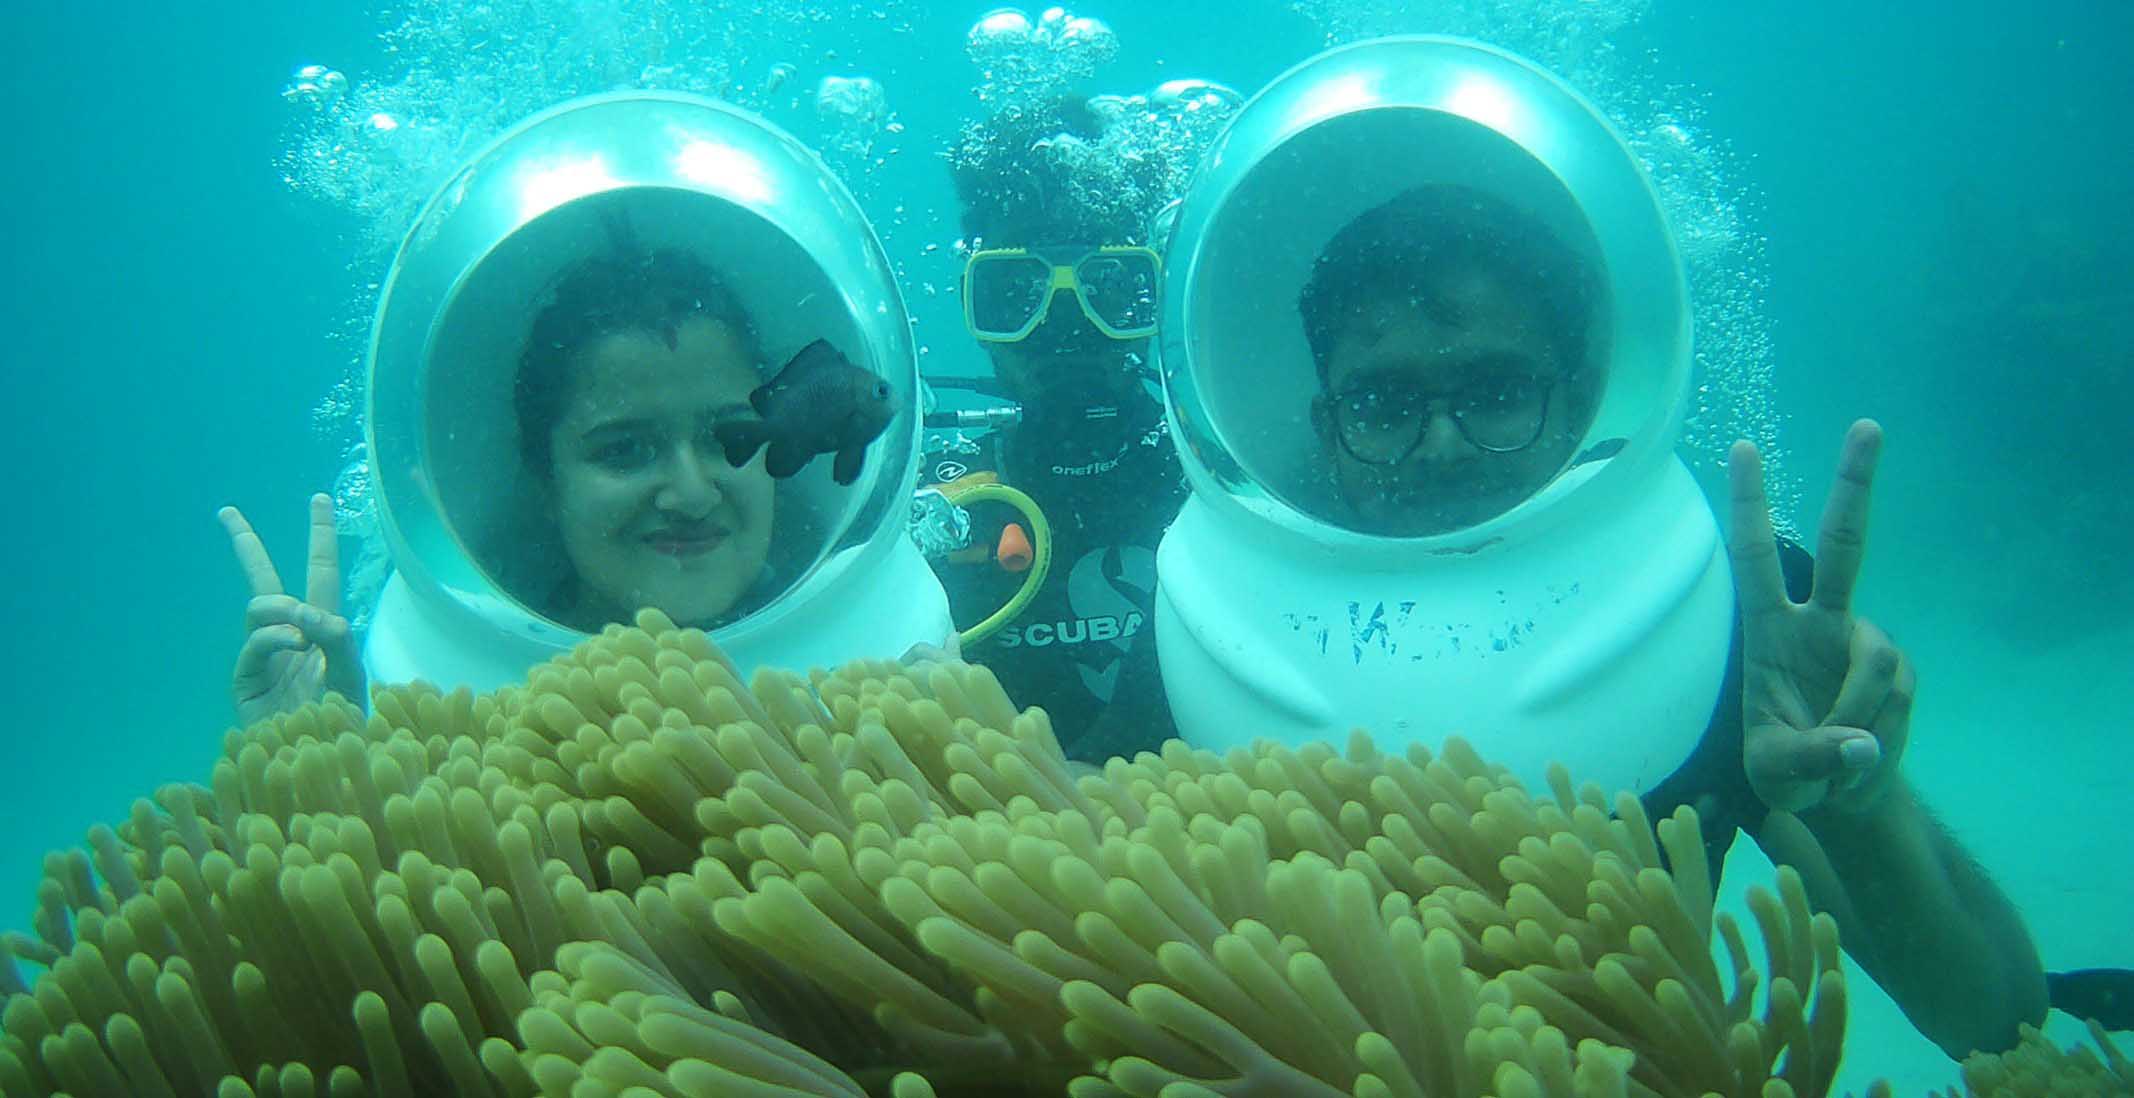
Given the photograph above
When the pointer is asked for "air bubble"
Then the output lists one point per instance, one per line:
(998, 31)
(1092, 36)
(1021, 60)
(317, 86)
(857, 99)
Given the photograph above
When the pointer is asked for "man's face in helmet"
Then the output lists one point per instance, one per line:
(1445, 407)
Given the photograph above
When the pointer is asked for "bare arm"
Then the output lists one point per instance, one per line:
(1826, 713)
(1921, 917)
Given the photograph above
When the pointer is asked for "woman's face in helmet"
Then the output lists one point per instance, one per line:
(1456, 407)
(650, 512)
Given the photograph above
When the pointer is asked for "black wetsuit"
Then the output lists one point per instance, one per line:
(1084, 649)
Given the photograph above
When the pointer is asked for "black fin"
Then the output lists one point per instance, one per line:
(848, 464)
(786, 458)
(741, 438)
(2101, 995)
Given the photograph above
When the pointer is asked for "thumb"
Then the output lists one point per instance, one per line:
(332, 633)
(344, 673)
(1827, 753)
(309, 675)
(254, 672)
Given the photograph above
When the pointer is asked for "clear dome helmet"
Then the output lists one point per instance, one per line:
(478, 555)
(1585, 617)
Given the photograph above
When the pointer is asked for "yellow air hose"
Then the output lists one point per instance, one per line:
(962, 493)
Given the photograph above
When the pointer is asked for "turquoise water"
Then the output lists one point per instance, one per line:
(1934, 198)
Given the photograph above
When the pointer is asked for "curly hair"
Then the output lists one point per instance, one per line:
(654, 292)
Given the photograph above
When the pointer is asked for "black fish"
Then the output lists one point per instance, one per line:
(819, 404)
(2101, 995)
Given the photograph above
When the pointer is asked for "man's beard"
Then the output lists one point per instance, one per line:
(1406, 501)
(1084, 371)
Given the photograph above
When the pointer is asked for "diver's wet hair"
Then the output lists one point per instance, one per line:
(1410, 245)
(651, 292)
(1041, 173)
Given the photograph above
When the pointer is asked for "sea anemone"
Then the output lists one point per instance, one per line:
(632, 874)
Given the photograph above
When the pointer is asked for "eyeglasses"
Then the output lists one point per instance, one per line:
(1382, 418)
(1007, 292)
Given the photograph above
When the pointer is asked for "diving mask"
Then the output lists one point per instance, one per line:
(1007, 292)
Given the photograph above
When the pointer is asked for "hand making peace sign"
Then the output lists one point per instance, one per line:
(293, 651)
(1826, 696)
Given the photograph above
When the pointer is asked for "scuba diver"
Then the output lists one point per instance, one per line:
(1061, 288)
(1429, 408)
(585, 417)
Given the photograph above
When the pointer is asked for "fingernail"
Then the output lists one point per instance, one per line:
(1859, 753)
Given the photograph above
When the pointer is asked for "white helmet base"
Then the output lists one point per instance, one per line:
(1601, 646)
